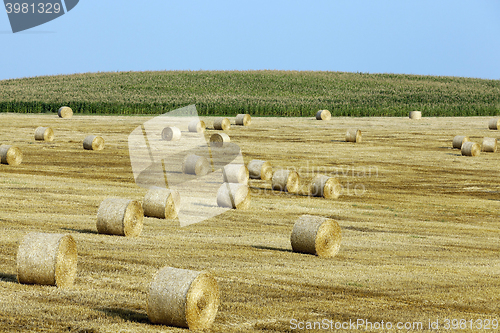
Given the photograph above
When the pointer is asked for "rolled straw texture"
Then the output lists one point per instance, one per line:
(286, 180)
(236, 196)
(10, 155)
(324, 186)
(243, 120)
(93, 142)
(489, 145)
(323, 115)
(183, 298)
(197, 126)
(162, 203)
(222, 124)
(171, 133)
(258, 169)
(471, 149)
(353, 135)
(47, 259)
(415, 114)
(219, 139)
(196, 165)
(44, 134)
(459, 140)
(316, 235)
(65, 112)
(235, 173)
(494, 124)
(118, 216)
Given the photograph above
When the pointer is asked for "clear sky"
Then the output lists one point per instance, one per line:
(436, 37)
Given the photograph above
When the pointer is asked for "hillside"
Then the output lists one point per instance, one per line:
(276, 93)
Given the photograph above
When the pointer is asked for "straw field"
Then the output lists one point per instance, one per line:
(419, 221)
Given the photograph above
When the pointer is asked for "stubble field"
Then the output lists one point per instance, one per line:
(419, 224)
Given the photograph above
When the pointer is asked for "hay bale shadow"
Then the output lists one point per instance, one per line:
(262, 247)
(82, 231)
(125, 314)
(8, 277)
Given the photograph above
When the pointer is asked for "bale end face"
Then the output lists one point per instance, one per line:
(10, 155)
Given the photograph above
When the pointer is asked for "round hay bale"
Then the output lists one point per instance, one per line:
(471, 149)
(122, 217)
(162, 203)
(47, 259)
(286, 180)
(235, 173)
(243, 120)
(459, 140)
(259, 169)
(494, 124)
(197, 126)
(236, 196)
(171, 134)
(44, 134)
(323, 115)
(324, 186)
(219, 139)
(415, 114)
(183, 298)
(353, 135)
(316, 235)
(10, 155)
(65, 112)
(222, 124)
(489, 145)
(93, 142)
(196, 165)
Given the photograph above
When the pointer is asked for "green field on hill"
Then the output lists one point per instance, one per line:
(260, 93)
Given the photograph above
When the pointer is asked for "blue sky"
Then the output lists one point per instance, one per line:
(447, 38)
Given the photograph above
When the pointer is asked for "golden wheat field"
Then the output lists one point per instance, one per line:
(420, 229)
